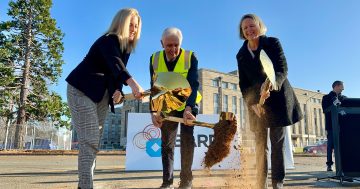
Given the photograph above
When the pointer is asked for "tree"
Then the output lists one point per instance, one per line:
(52, 108)
(37, 54)
(8, 81)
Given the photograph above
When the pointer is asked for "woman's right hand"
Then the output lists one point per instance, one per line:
(136, 89)
(117, 97)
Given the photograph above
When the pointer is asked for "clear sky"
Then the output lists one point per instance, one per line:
(318, 36)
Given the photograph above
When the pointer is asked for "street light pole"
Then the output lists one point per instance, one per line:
(220, 94)
(307, 115)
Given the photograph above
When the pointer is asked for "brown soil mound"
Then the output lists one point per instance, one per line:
(224, 132)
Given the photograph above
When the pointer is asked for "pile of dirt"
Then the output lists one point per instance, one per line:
(224, 133)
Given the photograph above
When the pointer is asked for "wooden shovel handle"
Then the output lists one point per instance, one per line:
(192, 122)
(130, 96)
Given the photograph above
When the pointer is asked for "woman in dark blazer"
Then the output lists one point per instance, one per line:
(97, 82)
(281, 107)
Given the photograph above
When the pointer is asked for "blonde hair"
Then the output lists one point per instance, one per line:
(257, 20)
(120, 27)
(172, 31)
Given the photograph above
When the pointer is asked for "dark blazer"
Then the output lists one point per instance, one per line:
(326, 103)
(282, 107)
(103, 68)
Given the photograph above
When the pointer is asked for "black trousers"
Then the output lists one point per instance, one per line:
(187, 145)
(277, 139)
(330, 148)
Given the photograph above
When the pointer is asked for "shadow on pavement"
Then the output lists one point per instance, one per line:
(309, 180)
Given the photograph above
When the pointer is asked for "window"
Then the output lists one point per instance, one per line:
(233, 86)
(225, 85)
(242, 113)
(315, 121)
(126, 121)
(300, 127)
(234, 106)
(314, 100)
(293, 129)
(321, 123)
(214, 83)
(305, 119)
(216, 103)
(225, 103)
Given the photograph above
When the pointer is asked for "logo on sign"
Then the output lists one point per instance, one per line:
(149, 140)
(153, 147)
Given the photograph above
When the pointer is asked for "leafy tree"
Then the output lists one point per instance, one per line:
(36, 57)
(52, 108)
(8, 80)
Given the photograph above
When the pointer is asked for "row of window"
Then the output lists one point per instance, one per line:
(318, 123)
(316, 100)
(224, 85)
(234, 105)
(317, 113)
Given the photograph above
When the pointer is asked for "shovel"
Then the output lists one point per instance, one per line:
(224, 116)
(175, 93)
(169, 91)
(269, 81)
(224, 132)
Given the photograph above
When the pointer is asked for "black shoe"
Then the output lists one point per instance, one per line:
(185, 184)
(277, 184)
(329, 168)
(349, 179)
(166, 186)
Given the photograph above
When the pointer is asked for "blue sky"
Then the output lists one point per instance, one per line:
(318, 36)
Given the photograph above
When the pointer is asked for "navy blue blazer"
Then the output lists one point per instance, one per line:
(103, 68)
(326, 102)
(282, 107)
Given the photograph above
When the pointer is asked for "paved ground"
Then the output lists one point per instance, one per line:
(32, 172)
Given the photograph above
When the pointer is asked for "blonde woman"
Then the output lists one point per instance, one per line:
(97, 83)
(281, 107)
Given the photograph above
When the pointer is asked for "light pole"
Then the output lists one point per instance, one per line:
(220, 94)
(307, 114)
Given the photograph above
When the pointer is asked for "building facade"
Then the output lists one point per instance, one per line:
(221, 93)
(112, 131)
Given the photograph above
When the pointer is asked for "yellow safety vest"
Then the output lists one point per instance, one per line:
(182, 67)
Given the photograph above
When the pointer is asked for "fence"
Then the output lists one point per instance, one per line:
(38, 135)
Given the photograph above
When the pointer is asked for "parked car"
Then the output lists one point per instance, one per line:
(319, 148)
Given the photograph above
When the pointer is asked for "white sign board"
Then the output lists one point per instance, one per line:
(288, 156)
(143, 147)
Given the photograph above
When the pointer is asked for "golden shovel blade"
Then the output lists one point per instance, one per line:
(169, 92)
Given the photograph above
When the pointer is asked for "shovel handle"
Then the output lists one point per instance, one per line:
(192, 122)
(130, 96)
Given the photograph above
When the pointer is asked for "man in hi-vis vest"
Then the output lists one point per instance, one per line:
(175, 59)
